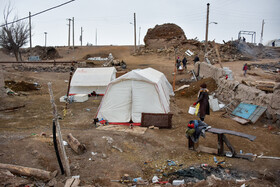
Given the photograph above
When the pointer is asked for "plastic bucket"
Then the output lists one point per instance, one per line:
(191, 110)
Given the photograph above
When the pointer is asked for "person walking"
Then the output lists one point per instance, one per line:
(203, 98)
(245, 68)
(184, 61)
(178, 63)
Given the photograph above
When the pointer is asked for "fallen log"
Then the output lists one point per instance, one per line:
(75, 144)
(265, 88)
(12, 108)
(29, 172)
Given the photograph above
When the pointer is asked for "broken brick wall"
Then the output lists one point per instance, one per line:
(231, 90)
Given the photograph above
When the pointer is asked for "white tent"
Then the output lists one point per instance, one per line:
(139, 91)
(87, 80)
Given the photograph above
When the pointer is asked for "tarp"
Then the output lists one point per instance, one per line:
(87, 80)
(249, 111)
(127, 97)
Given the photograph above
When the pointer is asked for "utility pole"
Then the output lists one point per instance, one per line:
(81, 38)
(207, 24)
(262, 31)
(73, 32)
(30, 30)
(139, 37)
(45, 38)
(69, 26)
(134, 32)
(96, 36)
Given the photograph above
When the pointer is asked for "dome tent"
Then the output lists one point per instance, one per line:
(87, 80)
(138, 91)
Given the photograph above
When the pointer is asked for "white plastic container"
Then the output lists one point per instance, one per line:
(80, 98)
(178, 182)
(191, 110)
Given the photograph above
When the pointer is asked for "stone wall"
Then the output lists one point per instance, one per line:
(229, 90)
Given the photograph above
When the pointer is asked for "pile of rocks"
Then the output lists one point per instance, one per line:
(61, 68)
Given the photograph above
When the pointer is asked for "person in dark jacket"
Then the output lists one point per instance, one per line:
(203, 102)
(178, 63)
(184, 61)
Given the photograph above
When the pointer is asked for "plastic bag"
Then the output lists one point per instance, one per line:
(197, 109)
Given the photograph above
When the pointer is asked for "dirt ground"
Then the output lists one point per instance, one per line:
(145, 155)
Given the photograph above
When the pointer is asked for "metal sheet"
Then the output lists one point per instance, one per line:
(244, 110)
(249, 111)
(257, 114)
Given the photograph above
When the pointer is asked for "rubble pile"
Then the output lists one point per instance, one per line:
(164, 36)
(45, 53)
(272, 67)
(163, 40)
(237, 50)
(193, 45)
(61, 68)
(194, 88)
(21, 86)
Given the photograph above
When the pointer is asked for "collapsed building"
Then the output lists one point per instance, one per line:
(232, 90)
(166, 35)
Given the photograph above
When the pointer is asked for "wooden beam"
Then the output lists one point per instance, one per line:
(29, 172)
(75, 144)
(231, 148)
(72, 182)
(207, 150)
(220, 144)
(12, 108)
(224, 131)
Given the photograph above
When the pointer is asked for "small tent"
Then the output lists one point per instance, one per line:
(87, 80)
(136, 92)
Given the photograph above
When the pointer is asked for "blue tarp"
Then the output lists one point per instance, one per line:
(249, 111)
(244, 110)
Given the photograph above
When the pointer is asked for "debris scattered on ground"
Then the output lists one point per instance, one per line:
(22, 86)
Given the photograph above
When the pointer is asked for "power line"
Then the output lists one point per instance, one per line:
(27, 17)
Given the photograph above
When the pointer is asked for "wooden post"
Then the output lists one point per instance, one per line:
(218, 55)
(60, 140)
(68, 89)
(30, 172)
(220, 144)
(231, 148)
(175, 69)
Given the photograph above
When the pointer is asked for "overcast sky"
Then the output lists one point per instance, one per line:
(112, 18)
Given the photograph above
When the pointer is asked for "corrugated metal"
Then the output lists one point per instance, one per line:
(257, 114)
